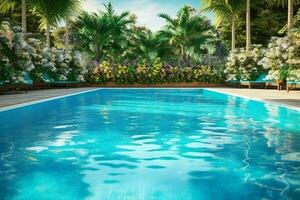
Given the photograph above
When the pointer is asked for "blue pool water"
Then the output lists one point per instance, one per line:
(150, 144)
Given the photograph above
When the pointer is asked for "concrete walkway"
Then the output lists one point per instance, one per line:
(291, 99)
(22, 97)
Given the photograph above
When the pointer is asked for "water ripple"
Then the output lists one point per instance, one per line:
(150, 144)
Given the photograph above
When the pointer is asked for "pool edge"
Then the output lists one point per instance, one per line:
(15, 106)
(255, 99)
(11, 107)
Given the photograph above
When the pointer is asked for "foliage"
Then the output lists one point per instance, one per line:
(123, 74)
(59, 37)
(206, 74)
(244, 65)
(51, 12)
(19, 56)
(266, 21)
(14, 53)
(154, 74)
(41, 60)
(282, 57)
(146, 46)
(225, 10)
(111, 47)
(77, 66)
(103, 72)
(100, 32)
(189, 33)
(10, 10)
(297, 20)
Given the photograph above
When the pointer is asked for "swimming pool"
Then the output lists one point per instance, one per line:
(152, 144)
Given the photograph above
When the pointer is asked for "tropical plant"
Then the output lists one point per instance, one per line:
(19, 57)
(262, 15)
(98, 32)
(9, 5)
(51, 12)
(205, 74)
(155, 74)
(290, 5)
(248, 25)
(15, 54)
(226, 10)
(73, 10)
(244, 65)
(144, 46)
(59, 37)
(297, 20)
(141, 74)
(282, 57)
(189, 33)
(123, 74)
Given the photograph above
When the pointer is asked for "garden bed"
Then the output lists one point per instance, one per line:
(160, 85)
(35, 86)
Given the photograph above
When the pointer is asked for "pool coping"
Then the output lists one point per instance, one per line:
(256, 99)
(11, 107)
(15, 106)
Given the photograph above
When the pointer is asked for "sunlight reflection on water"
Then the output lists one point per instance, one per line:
(150, 144)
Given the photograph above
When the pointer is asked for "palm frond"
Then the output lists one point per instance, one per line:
(8, 5)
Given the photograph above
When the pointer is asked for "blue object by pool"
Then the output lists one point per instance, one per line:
(150, 144)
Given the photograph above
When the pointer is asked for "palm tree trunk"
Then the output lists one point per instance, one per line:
(233, 34)
(290, 14)
(48, 35)
(248, 27)
(67, 34)
(98, 53)
(209, 58)
(24, 25)
(181, 55)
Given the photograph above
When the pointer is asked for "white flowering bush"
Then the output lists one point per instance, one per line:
(18, 57)
(294, 58)
(282, 58)
(61, 61)
(77, 66)
(15, 54)
(244, 65)
(69, 65)
(41, 59)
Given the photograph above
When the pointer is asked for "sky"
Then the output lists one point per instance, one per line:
(146, 10)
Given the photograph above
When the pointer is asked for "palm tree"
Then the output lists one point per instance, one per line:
(73, 9)
(146, 45)
(290, 14)
(188, 32)
(24, 24)
(98, 32)
(297, 20)
(226, 10)
(50, 13)
(9, 5)
(248, 26)
(290, 5)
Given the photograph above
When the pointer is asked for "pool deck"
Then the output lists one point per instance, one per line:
(22, 97)
(291, 99)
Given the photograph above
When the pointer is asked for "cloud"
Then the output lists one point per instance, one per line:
(92, 5)
(146, 10)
